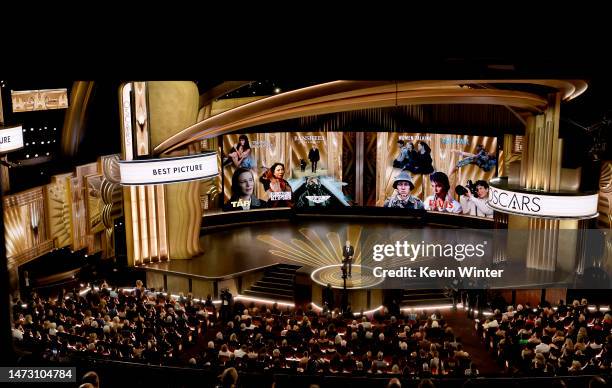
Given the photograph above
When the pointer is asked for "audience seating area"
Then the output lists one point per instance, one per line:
(549, 340)
(139, 328)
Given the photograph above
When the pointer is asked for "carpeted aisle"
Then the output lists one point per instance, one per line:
(464, 328)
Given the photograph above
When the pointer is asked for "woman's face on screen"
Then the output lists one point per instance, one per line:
(279, 172)
(246, 183)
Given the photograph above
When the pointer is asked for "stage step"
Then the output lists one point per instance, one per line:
(425, 297)
(272, 290)
(269, 283)
(281, 275)
(276, 284)
(277, 280)
(265, 295)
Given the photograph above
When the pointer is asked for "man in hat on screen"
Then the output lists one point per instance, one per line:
(401, 197)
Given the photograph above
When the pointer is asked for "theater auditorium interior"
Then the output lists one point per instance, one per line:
(426, 232)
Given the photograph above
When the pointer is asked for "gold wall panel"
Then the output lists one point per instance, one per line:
(59, 210)
(177, 284)
(93, 194)
(26, 235)
(155, 280)
(183, 219)
(173, 106)
(80, 237)
(141, 130)
(604, 206)
(202, 288)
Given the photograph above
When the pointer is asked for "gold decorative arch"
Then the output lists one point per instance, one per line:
(339, 96)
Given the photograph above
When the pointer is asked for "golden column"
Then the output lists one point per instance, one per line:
(541, 171)
(163, 221)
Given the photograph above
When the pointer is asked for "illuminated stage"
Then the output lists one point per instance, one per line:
(292, 259)
(332, 274)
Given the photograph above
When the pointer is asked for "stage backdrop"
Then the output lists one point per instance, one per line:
(454, 155)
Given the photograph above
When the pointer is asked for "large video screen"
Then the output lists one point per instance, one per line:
(435, 172)
(282, 169)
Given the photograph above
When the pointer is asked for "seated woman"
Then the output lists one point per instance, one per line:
(243, 184)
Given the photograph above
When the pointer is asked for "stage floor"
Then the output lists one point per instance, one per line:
(316, 246)
(308, 243)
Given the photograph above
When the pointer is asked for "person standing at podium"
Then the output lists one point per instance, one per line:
(348, 252)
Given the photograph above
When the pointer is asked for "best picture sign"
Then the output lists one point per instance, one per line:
(168, 170)
(542, 205)
(11, 139)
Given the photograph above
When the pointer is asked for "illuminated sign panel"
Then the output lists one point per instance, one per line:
(542, 205)
(11, 139)
(168, 170)
(44, 99)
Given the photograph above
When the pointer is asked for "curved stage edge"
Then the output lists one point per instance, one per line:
(239, 249)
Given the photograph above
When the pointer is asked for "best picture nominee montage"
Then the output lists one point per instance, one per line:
(412, 251)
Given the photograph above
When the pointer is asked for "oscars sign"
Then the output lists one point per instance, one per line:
(11, 139)
(168, 170)
(543, 205)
